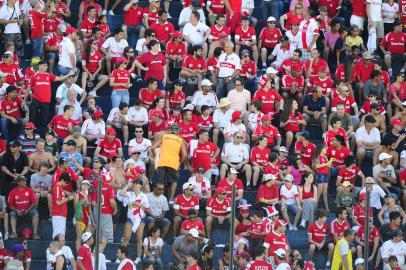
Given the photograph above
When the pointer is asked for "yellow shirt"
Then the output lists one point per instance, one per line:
(337, 263)
(354, 41)
(170, 151)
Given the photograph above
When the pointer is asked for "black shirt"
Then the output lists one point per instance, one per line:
(15, 165)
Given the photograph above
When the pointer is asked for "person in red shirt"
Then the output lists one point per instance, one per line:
(63, 124)
(276, 239)
(154, 64)
(269, 131)
(292, 121)
(162, 28)
(258, 158)
(248, 70)
(110, 146)
(317, 232)
(362, 72)
(40, 86)
(150, 94)
(157, 125)
(88, 23)
(84, 258)
(175, 97)
(337, 153)
(194, 66)
(293, 63)
(233, 13)
(175, 52)
(14, 75)
(191, 260)
(258, 228)
(37, 29)
(373, 240)
(11, 108)
(59, 204)
(181, 205)
(268, 38)
(272, 102)
(292, 86)
(315, 64)
(339, 225)
(259, 262)
(393, 47)
(125, 263)
(330, 135)
(349, 173)
(120, 82)
(51, 45)
(230, 181)
(219, 33)
(246, 39)
(132, 22)
(193, 222)
(268, 192)
(22, 201)
(305, 148)
(359, 211)
(204, 153)
(218, 209)
(188, 128)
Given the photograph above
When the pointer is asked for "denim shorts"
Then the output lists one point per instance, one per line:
(31, 214)
(321, 178)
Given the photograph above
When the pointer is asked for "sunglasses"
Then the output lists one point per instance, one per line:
(271, 22)
(28, 128)
(239, 137)
(160, 188)
(191, 189)
(130, 52)
(247, 55)
(238, 84)
(224, 193)
(139, 131)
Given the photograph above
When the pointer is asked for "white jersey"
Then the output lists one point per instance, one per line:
(389, 12)
(200, 188)
(390, 248)
(142, 146)
(200, 99)
(375, 7)
(281, 54)
(140, 115)
(308, 28)
(289, 195)
(114, 48)
(293, 39)
(228, 64)
(196, 32)
(115, 116)
(231, 129)
(66, 48)
(91, 128)
(222, 118)
(62, 91)
(235, 153)
(127, 263)
(130, 199)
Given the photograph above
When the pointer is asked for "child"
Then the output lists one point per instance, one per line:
(50, 144)
(355, 39)
(290, 202)
(104, 27)
(322, 169)
(175, 116)
(372, 99)
(205, 120)
(255, 116)
(257, 229)
(346, 198)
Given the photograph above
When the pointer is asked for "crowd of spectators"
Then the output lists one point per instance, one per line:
(301, 107)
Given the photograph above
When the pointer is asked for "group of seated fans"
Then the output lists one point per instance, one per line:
(301, 107)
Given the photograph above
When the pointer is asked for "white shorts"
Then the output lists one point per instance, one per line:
(58, 225)
(358, 21)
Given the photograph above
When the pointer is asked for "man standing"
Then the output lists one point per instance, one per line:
(84, 260)
(59, 205)
(309, 31)
(67, 51)
(342, 256)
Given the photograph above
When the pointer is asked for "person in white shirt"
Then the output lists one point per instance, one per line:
(67, 51)
(236, 155)
(201, 184)
(142, 43)
(228, 68)
(71, 100)
(113, 48)
(397, 247)
(221, 117)
(384, 173)
(374, 13)
(309, 33)
(118, 119)
(184, 15)
(205, 96)
(376, 193)
(390, 11)
(10, 15)
(290, 202)
(63, 89)
(66, 250)
(240, 98)
(137, 116)
(159, 207)
(235, 125)
(293, 35)
(142, 146)
(367, 138)
(282, 51)
(94, 128)
(196, 32)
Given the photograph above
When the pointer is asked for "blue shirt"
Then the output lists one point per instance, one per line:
(78, 157)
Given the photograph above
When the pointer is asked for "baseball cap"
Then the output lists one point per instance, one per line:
(17, 248)
(85, 182)
(21, 178)
(194, 232)
(283, 149)
(367, 55)
(280, 253)
(289, 178)
(369, 180)
(271, 19)
(271, 210)
(62, 27)
(201, 170)
(305, 134)
(111, 131)
(220, 190)
(35, 61)
(122, 59)
(71, 143)
(187, 185)
(236, 115)
(347, 184)
(383, 156)
(266, 117)
(269, 176)
(98, 113)
(177, 34)
(206, 82)
(86, 236)
(139, 182)
(362, 196)
(50, 132)
(279, 223)
(71, 30)
(157, 113)
(15, 144)
(62, 160)
(396, 122)
(271, 70)
(30, 125)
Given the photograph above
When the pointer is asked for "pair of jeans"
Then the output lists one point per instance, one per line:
(118, 96)
(5, 125)
(38, 47)
(39, 113)
(221, 84)
(133, 32)
(63, 70)
(272, 8)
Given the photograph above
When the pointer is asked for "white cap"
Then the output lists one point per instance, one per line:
(86, 236)
(189, 107)
(359, 261)
(194, 232)
(271, 19)
(8, 53)
(187, 185)
(369, 180)
(289, 178)
(233, 171)
(283, 149)
(383, 156)
(206, 82)
(280, 252)
(269, 176)
(129, 161)
(87, 182)
(271, 70)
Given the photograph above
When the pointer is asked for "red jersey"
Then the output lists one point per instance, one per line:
(229, 186)
(270, 132)
(274, 241)
(317, 233)
(13, 73)
(326, 84)
(203, 122)
(4, 256)
(148, 97)
(294, 65)
(257, 229)
(400, 91)
(359, 8)
(183, 205)
(245, 35)
(173, 48)
(194, 63)
(61, 7)
(104, 29)
(194, 267)
(154, 128)
(259, 264)
(316, 66)
(292, 124)
(359, 214)
(11, 107)
(37, 23)
(268, 193)
(212, 64)
(268, 99)
(347, 174)
(57, 176)
(21, 198)
(202, 154)
(108, 194)
(120, 76)
(188, 131)
(270, 37)
(394, 42)
(292, 84)
(109, 149)
(219, 33)
(85, 255)
(347, 101)
(61, 125)
(92, 64)
(363, 72)
(339, 155)
(290, 18)
(52, 40)
(322, 159)
(217, 208)
(402, 176)
(372, 234)
(248, 69)
(175, 98)
(217, 6)
(164, 31)
(87, 25)
(338, 228)
(331, 134)
(402, 8)
(41, 86)
(154, 63)
(193, 224)
(152, 15)
(133, 16)
(50, 26)
(366, 108)
(259, 156)
(306, 152)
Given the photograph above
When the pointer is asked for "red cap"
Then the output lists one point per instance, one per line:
(396, 122)
(266, 117)
(30, 125)
(235, 116)
(177, 34)
(70, 30)
(362, 196)
(271, 211)
(157, 113)
(121, 59)
(139, 170)
(111, 131)
(280, 222)
(295, 20)
(98, 113)
(220, 190)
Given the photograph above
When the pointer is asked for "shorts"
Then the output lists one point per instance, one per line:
(31, 214)
(106, 226)
(64, 70)
(129, 221)
(321, 178)
(51, 55)
(58, 225)
(167, 175)
(358, 21)
(161, 223)
(82, 225)
(379, 29)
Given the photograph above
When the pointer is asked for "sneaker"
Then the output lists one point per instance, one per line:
(111, 13)
(117, 261)
(290, 227)
(6, 236)
(137, 260)
(13, 235)
(27, 41)
(294, 227)
(263, 71)
(93, 93)
(328, 265)
(104, 12)
(36, 237)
